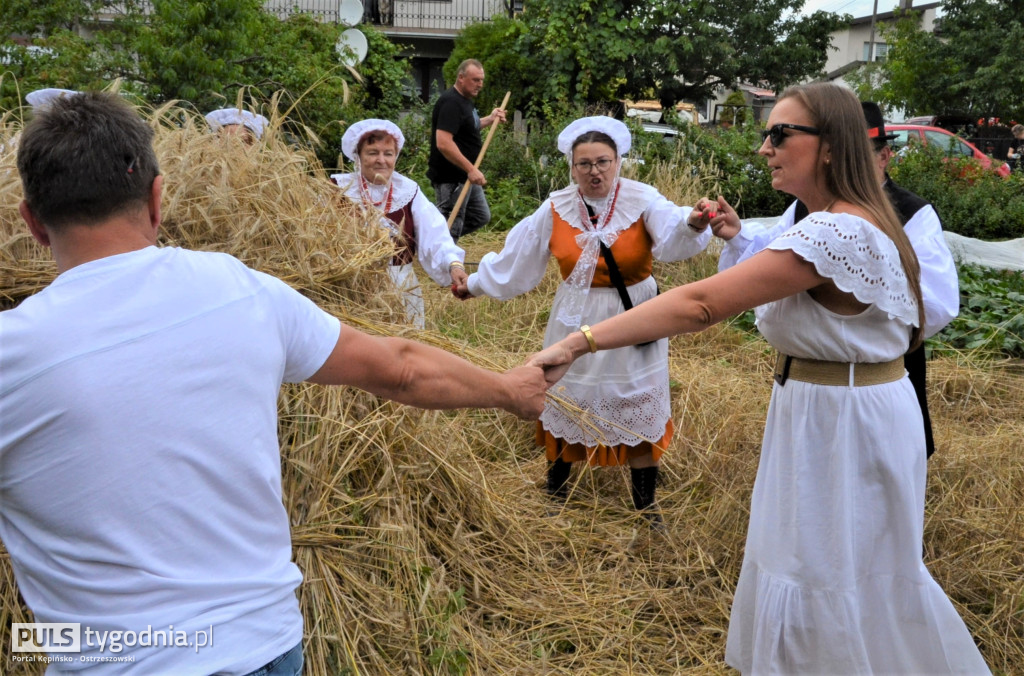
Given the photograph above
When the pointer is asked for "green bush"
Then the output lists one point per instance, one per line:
(991, 318)
(742, 174)
(971, 201)
(734, 110)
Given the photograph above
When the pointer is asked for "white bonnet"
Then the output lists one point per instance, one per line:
(227, 116)
(618, 132)
(350, 141)
(41, 98)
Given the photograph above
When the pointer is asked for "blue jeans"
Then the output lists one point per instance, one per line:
(474, 212)
(286, 664)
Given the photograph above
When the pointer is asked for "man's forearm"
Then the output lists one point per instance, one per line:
(433, 378)
(454, 156)
(428, 377)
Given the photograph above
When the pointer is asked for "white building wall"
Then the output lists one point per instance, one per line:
(848, 44)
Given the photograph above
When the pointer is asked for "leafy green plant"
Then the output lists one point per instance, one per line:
(742, 174)
(445, 658)
(971, 201)
(508, 204)
(991, 319)
(734, 111)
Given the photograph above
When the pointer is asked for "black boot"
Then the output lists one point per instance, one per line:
(558, 479)
(644, 482)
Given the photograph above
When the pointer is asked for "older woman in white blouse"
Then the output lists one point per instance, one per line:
(396, 202)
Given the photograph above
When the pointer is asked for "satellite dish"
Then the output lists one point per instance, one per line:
(352, 47)
(350, 12)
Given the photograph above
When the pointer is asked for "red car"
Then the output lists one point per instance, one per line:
(951, 143)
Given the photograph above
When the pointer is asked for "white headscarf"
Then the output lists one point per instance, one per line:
(367, 192)
(228, 116)
(350, 141)
(591, 237)
(618, 132)
(41, 98)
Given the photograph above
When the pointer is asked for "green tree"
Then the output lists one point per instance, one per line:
(971, 65)
(207, 54)
(192, 50)
(568, 52)
(49, 52)
(689, 50)
(297, 61)
(735, 110)
(39, 19)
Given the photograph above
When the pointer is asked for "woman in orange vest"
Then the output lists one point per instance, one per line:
(604, 231)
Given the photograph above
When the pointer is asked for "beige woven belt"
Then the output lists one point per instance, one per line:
(836, 372)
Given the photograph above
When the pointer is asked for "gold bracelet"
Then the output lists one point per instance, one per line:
(585, 330)
(456, 264)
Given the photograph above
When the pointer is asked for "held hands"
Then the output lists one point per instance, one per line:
(527, 387)
(719, 214)
(555, 360)
(459, 276)
(497, 115)
(460, 289)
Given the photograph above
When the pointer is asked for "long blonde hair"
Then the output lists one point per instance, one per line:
(851, 174)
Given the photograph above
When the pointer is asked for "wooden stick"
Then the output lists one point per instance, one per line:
(476, 165)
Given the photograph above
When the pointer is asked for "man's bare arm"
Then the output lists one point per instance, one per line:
(420, 375)
(446, 144)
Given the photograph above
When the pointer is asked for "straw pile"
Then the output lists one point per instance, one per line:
(425, 538)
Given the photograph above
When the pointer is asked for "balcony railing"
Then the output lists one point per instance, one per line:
(436, 16)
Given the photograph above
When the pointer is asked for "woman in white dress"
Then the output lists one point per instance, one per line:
(604, 231)
(396, 202)
(833, 580)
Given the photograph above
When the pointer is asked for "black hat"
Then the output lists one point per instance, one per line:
(876, 125)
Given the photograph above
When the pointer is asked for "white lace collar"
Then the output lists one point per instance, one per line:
(858, 257)
(404, 189)
(634, 198)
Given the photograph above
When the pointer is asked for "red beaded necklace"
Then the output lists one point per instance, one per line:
(585, 217)
(364, 192)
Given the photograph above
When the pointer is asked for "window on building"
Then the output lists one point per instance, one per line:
(881, 49)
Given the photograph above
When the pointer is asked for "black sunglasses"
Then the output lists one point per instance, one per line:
(777, 137)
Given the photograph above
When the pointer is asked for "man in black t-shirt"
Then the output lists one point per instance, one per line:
(454, 146)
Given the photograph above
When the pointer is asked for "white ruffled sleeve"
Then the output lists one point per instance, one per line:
(521, 264)
(752, 238)
(434, 245)
(858, 258)
(940, 284)
(672, 239)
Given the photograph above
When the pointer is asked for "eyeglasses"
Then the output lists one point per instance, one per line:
(602, 165)
(778, 138)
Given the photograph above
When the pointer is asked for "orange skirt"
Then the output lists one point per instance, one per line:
(604, 456)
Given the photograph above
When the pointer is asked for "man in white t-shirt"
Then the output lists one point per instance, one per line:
(140, 480)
